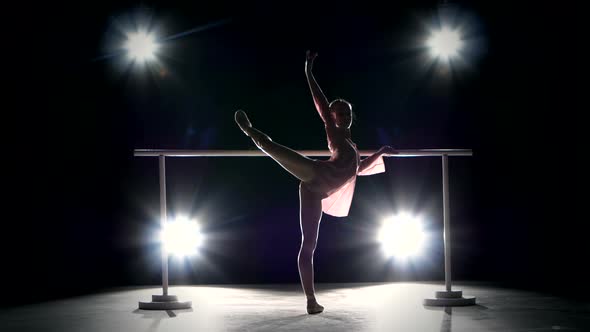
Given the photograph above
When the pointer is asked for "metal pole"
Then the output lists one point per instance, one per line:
(448, 298)
(163, 220)
(165, 301)
(447, 221)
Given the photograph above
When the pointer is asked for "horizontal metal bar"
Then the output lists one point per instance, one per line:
(311, 153)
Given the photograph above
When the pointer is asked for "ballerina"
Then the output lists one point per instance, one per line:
(327, 186)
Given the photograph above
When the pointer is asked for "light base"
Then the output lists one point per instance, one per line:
(450, 299)
(165, 302)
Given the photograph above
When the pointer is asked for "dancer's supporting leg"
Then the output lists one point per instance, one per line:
(295, 163)
(310, 216)
(304, 169)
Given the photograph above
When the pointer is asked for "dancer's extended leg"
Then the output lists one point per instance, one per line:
(295, 163)
(310, 216)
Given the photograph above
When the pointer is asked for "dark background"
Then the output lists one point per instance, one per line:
(82, 211)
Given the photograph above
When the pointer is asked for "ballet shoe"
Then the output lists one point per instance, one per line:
(243, 121)
(314, 308)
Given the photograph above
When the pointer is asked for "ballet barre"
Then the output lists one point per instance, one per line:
(309, 153)
(448, 297)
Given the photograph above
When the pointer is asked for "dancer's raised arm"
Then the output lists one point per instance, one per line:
(319, 99)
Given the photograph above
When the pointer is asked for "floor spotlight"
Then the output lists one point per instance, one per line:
(402, 236)
(181, 237)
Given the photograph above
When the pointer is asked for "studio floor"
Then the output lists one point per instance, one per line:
(348, 307)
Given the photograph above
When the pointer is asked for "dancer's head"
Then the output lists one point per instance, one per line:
(341, 112)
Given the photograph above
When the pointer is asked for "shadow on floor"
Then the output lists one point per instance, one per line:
(447, 319)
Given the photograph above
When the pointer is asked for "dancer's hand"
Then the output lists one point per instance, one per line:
(309, 58)
(388, 150)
